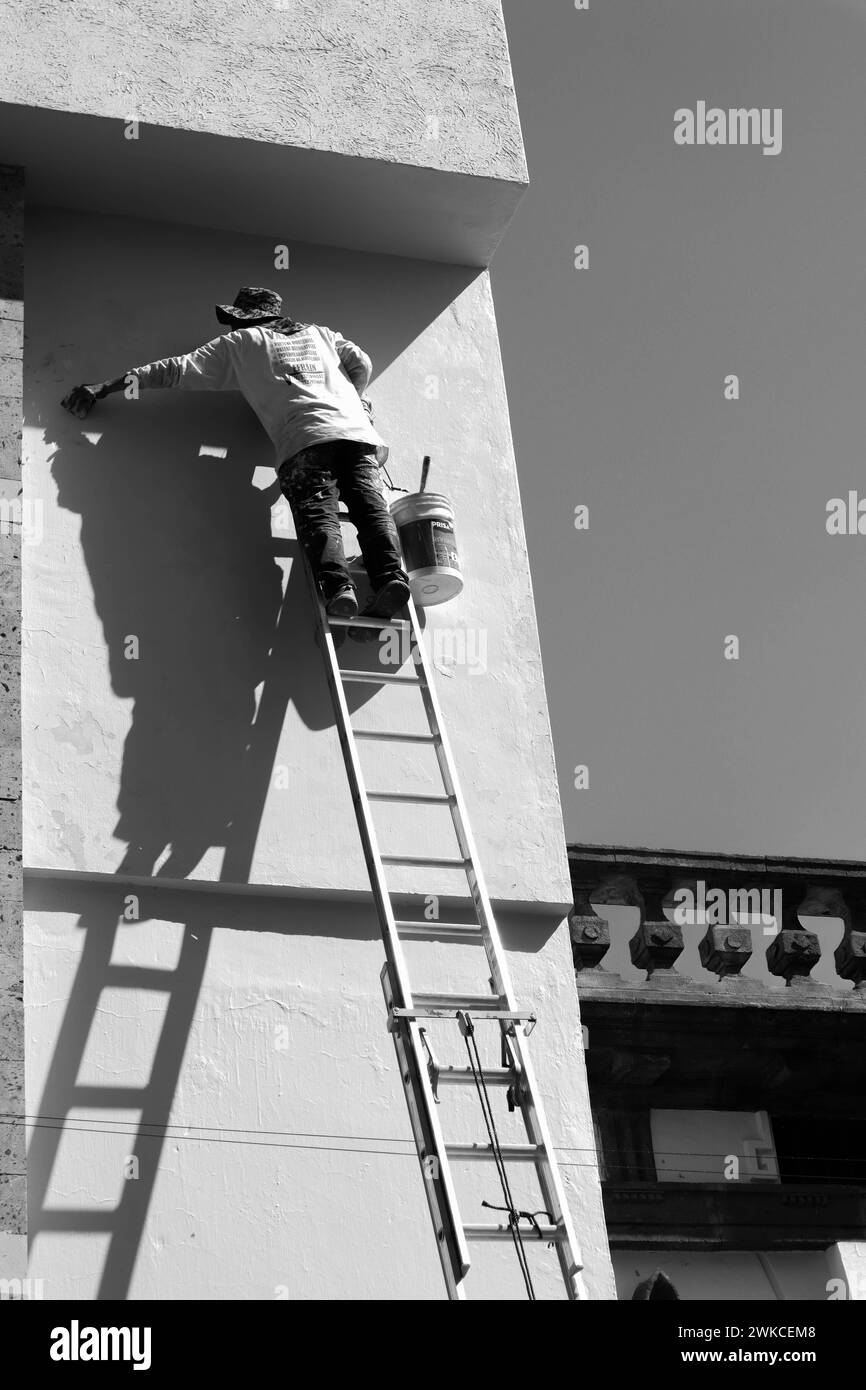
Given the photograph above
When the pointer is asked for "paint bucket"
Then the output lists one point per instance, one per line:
(425, 521)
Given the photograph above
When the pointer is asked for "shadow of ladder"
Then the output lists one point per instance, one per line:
(63, 1093)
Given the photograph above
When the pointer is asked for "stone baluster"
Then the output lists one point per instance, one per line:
(726, 945)
(658, 942)
(725, 950)
(794, 952)
(590, 934)
(850, 954)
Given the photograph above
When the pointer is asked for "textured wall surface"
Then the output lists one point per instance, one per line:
(399, 80)
(12, 1180)
(274, 1154)
(847, 1263)
(233, 1125)
(254, 1026)
(177, 714)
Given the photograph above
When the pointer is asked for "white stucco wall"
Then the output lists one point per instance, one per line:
(409, 83)
(288, 1162)
(847, 1265)
(154, 520)
(149, 532)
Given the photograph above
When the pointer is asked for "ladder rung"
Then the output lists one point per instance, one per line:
(416, 798)
(347, 675)
(420, 861)
(390, 736)
(432, 931)
(488, 1232)
(470, 1003)
(452, 1010)
(376, 623)
(464, 1076)
(512, 1153)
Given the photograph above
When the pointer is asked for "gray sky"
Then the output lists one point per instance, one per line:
(707, 516)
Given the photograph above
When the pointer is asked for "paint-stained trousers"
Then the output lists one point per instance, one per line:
(313, 482)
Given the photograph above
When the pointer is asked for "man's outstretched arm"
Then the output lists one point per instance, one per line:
(209, 368)
(81, 399)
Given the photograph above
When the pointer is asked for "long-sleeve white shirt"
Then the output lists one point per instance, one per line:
(304, 387)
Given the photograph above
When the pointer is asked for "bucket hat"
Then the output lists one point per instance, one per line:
(252, 303)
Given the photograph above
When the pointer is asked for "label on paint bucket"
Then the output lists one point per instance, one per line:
(429, 542)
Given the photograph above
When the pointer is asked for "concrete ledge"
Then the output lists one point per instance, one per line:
(251, 186)
(745, 1216)
(604, 987)
(422, 84)
(621, 858)
(41, 882)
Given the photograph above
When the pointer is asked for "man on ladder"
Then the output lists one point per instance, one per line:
(305, 383)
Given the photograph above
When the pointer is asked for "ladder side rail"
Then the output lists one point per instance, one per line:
(357, 787)
(550, 1180)
(536, 1126)
(429, 1143)
(456, 1254)
(547, 1168)
(460, 818)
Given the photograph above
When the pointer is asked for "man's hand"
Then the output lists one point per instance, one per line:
(82, 399)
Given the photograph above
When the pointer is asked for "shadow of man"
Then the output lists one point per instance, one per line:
(185, 584)
(199, 634)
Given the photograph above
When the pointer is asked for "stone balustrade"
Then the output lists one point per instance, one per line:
(739, 904)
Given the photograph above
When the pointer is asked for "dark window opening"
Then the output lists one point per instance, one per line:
(812, 1149)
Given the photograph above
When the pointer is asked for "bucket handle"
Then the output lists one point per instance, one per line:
(425, 469)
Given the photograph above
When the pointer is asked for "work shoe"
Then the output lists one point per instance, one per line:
(387, 601)
(393, 595)
(342, 604)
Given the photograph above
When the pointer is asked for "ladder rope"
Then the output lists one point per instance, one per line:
(468, 1030)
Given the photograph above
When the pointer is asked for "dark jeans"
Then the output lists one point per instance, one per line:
(312, 481)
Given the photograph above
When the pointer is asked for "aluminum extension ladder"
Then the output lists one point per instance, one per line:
(408, 1010)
